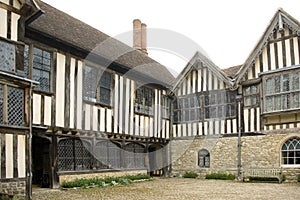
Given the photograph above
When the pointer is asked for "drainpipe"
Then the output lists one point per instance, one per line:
(29, 146)
(239, 165)
(171, 133)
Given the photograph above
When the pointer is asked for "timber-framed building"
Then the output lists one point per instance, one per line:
(77, 103)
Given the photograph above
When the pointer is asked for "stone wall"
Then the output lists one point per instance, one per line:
(261, 151)
(72, 177)
(13, 188)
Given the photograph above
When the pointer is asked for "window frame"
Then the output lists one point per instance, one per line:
(277, 97)
(287, 143)
(251, 95)
(205, 155)
(32, 66)
(98, 72)
(141, 101)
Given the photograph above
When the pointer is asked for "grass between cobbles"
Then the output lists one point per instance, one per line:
(103, 182)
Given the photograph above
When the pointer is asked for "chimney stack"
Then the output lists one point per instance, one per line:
(140, 36)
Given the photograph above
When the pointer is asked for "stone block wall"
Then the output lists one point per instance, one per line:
(13, 188)
(261, 151)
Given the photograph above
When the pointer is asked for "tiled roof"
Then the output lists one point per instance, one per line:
(66, 28)
(232, 71)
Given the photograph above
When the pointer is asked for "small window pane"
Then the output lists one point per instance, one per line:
(296, 81)
(269, 87)
(277, 84)
(286, 83)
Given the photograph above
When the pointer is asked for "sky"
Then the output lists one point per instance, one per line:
(224, 30)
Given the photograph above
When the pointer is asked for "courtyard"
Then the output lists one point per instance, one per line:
(177, 188)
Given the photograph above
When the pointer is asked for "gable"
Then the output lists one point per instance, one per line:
(200, 75)
(277, 48)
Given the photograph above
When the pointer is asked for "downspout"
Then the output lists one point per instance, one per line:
(29, 140)
(171, 133)
(239, 165)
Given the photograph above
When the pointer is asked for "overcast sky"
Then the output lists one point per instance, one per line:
(227, 30)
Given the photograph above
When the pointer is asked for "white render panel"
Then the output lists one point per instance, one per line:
(200, 128)
(228, 126)
(60, 90)
(95, 118)
(116, 104)
(188, 82)
(174, 130)
(146, 127)
(234, 126)
(211, 127)
(296, 50)
(194, 82)
(179, 127)
(246, 120)
(72, 92)
(189, 126)
(151, 128)
(137, 131)
(79, 96)
(87, 117)
(142, 127)
(222, 131)
(258, 118)
(9, 161)
(108, 120)
(280, 59)
(21, 156)
(288, 53)
(102, 119)
(167, 129)
(132, 93)
(199, 80)
(265, 59)
(47, 110)
(252, 116)
(127, 107)
(272, 56)
(159, 114)
(121, 105)
(3, 24)
(14, 26)
(204, 79)
(184, 87)
(194, 129)
(37, 100)
(184, 130)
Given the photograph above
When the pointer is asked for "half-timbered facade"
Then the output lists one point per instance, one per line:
(98, 105)
(206, 116)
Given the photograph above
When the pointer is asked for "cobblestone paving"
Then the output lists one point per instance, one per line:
(178, 188)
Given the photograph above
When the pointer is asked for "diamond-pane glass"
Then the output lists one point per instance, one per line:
(15, 105)
(7, 56)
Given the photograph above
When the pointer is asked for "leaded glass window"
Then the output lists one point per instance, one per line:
(144, 100)
(290, 152)
(41, 69)
(188, 108)
(134, 156)
(165, 107)
(73, 154)
(7, 56)
(251, 96)
(220, 104)
(203, 158)
(11, 110)
(108, 155)
(281, 91)
(15, 109)
(97, 85)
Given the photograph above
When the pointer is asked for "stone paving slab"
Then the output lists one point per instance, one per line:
(179, 189)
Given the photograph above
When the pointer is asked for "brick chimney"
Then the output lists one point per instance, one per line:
(140, 36)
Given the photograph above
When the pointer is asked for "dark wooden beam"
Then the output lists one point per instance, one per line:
(10, 8)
